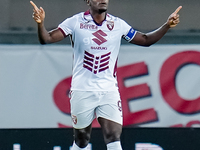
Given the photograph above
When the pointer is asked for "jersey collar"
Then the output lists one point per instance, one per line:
(88, 17)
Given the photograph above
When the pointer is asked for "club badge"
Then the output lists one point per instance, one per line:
(110, 25)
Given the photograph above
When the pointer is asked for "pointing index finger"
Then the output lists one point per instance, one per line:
(34, 6)
(178, 9)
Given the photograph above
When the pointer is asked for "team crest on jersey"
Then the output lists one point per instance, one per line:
(74, 119)
(110, 25)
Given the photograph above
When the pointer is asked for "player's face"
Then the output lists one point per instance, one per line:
(99, 5)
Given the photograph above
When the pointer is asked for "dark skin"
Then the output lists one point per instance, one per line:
(98, 9)
(142, 39)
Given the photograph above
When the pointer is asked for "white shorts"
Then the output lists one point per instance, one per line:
(86, 105)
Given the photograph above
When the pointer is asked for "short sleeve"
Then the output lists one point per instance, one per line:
(128, 32)
(67, 26)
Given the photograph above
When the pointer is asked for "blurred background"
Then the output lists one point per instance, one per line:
(18, 27)
(35, 79)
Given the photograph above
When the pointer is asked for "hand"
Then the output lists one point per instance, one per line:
(38, 14)
(173, 19)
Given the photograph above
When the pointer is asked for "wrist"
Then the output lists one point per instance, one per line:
(40, 24)
(167, 25)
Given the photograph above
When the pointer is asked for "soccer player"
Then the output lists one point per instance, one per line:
(96, 37)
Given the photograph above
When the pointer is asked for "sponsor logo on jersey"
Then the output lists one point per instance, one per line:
(96, 64)
(88, 26)
(99, 37)
(110, 25)
(98, 48)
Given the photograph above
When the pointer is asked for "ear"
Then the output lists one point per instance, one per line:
(88, 2)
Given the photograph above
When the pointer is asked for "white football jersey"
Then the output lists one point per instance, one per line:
(96, 49)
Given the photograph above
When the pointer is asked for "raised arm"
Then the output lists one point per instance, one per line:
(147, 39)
(45, 37)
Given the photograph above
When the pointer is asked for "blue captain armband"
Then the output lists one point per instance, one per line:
(130, 35)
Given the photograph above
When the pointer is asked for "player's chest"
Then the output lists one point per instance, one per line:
(90, 33)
